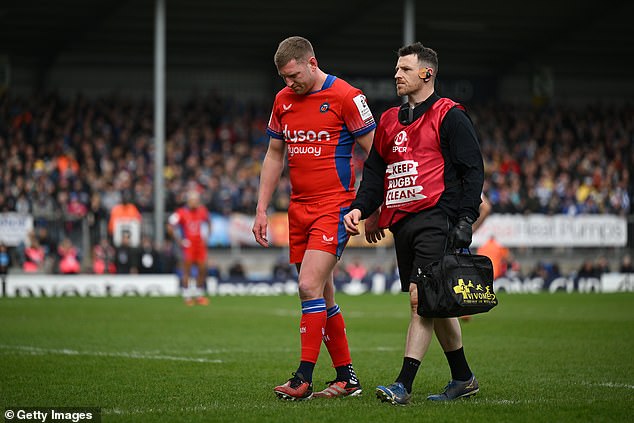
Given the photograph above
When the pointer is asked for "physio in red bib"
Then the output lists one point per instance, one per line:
(425, 172)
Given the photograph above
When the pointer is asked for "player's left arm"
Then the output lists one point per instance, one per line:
(359, 117)
(365, 141)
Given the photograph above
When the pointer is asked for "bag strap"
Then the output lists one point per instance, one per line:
(468, 253)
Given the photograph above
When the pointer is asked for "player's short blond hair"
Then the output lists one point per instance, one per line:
(298, 48)
(192, 194)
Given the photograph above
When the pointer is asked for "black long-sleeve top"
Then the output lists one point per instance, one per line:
(464, 168)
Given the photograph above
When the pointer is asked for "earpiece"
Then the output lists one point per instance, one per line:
(425, 73)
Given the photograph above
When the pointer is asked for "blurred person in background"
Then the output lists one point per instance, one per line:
(626, 264)
(68, 257)
(126, 256)
(5, 259)
(43, 206)
(50, 246)
(97, 219)
(356, 269)
(148, 256)
(282, 270)
(315, 122)
(587, 270)
(190, 227)
(428, 145)
(236, 270)
(124, 217)
(104, 258)
(602, 265)
(213, 270)
(34, 255)
(498, 254)
(168, 260)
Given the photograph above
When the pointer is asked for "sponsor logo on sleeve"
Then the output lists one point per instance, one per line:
(363, 108)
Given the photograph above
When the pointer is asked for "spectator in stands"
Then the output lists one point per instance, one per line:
(168, 261)
(97, 218)
(602, 266)
(22, 204)
(104, 257)
(587, 270)
(356, 269)
(43, 236)
(282, 270)
(68, 257)
(236, 270)
(5, 259)
(75, 212)
(547, 271)
(213, 270)
(148, 256)
(34, 256)
(626, 264)
(44, 207)
(50, 247)
(124, 217)
(126, 256)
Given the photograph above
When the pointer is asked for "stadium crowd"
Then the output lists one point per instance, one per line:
(68, 162)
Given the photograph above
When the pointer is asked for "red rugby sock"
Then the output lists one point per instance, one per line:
(336, 341)
(311, 329)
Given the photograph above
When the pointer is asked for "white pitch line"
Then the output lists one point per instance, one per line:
(134, 354)
(610, 385)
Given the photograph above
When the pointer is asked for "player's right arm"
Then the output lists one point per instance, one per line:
(173, 229)
(272, 167)
(351, 221)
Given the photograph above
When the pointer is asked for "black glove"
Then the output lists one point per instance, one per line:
(460, 236)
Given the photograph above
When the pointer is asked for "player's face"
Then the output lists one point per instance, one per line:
(406, 76)
(298, 76)
(193, 201)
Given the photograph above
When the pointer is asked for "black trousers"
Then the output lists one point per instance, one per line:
(419, 239)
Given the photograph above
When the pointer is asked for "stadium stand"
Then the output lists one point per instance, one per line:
(67, 162)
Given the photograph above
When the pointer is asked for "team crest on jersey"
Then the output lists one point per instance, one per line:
(324, 107)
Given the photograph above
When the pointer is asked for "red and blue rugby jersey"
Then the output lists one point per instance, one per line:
(319, 129)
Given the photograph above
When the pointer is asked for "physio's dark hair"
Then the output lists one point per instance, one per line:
(426, 56)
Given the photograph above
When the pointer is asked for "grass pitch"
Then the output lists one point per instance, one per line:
(538, 358)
